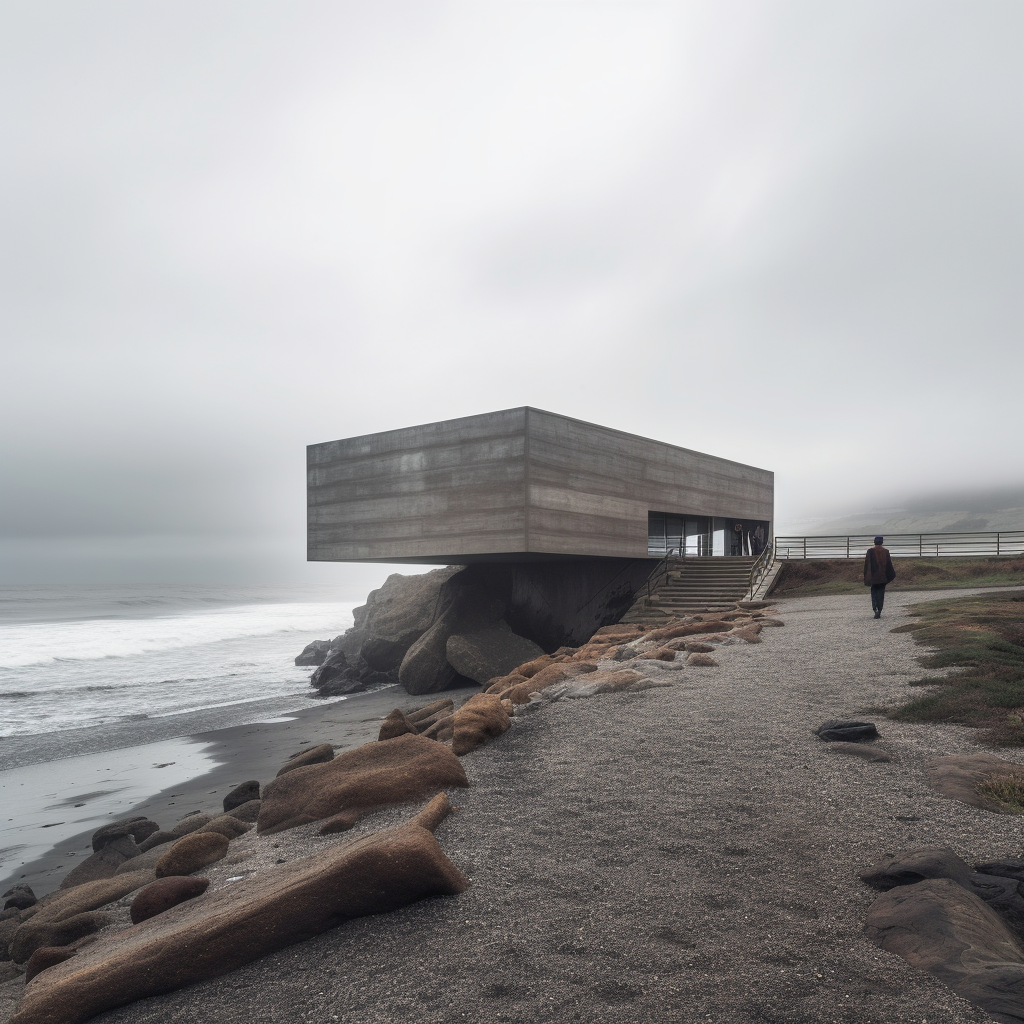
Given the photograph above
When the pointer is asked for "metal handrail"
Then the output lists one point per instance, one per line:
(905, 545)
(761, 567)
(656, 575)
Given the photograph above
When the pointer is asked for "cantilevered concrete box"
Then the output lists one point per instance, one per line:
(516, 485)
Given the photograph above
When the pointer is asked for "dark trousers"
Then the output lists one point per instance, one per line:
(877, 596)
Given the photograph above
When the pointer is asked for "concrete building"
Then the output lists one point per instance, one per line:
(524, 485)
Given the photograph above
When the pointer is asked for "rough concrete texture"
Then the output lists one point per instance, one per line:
(686, 854)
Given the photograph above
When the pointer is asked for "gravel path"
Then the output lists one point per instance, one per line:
(683, 854)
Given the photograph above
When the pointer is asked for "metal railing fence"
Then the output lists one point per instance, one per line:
(905, 545)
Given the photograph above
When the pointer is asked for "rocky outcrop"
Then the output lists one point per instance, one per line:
(104, 863)
(245, 921)
(959, 776)
(319, 754)
(378, 774)
(242, 794)
(486, 653)
(940, 927)
(314, 653)
(139, 829)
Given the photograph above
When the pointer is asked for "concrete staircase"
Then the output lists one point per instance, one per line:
(693, 585)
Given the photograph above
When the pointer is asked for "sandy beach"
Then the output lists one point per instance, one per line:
(681, 854)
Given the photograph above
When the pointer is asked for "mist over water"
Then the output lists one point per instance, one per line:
(88, 656)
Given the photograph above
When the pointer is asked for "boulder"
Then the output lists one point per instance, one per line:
(485, 653)
(939, 927)
(242, 794)
(227, 825)
(20, 896)
(957, 776)
(333, 667)
(156, 839)
(846, 730)
(480, 719)
(396, 724)
(312, 755)
(47, 956)
(192, 852)
(699, 659)
(35, 933)
(190, 823)
(397, 615)
(112, 853)
(748, 634)
(66, 903)
(377, 774)
(249, 811)
(464, 609)
(165, 893)
(314, 653)
(138, 828)
(242, 922)
(7, 930)
(1012, 868)
(698, 648)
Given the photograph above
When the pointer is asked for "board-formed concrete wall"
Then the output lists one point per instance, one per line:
(519, 484)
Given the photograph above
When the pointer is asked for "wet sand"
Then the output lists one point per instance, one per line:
(221, 759)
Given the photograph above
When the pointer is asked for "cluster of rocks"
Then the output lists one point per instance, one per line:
(962, 924)
(428, 633)
(137, 917)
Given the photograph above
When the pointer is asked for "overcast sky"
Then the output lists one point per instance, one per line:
(790, 234)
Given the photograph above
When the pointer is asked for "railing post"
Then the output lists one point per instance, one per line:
(997, 544)
(920, 546)
(847, 545)
(805, 547)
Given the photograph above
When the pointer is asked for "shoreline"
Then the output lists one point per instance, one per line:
(234, 753)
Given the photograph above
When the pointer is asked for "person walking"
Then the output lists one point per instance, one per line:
(878, 572)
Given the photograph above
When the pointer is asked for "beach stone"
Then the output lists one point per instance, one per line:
(443, 706)
(155, 840)
(248, 812)
(165, 893)
(957, 777)
(698, 648)
(138, 828)
(350, 682)
(480, 719)
(190, 823)
(748, 634)
(335, 665)
(20, 896)
(242, 794)
(443, 729)
(846, 730)
(485, 653)
(661, 654)
(35, 933)
(377, 774)
(104, 863)
(240, 923)
(313, 755)
(144, 861)
(226, 825)
(395, 724)
(939, 927)
(192, 852)
(700, 659)
(47, 956)
(314, 653)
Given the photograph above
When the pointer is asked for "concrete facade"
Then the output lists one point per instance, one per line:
(516, 485)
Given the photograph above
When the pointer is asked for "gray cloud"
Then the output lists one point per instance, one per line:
(790, 234)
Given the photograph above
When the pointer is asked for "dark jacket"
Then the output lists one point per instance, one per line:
(878, 566)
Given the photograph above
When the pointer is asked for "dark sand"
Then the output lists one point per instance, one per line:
(251, 751)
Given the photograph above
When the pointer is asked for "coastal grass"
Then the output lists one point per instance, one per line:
(1007, 791)
(814, 576)
(981, 639)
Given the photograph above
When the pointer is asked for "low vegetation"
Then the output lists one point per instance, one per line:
(806, 578)
(981, 640)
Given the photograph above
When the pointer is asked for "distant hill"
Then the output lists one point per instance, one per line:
(958, 512)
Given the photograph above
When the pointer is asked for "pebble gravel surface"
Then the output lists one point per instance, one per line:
(681, 854)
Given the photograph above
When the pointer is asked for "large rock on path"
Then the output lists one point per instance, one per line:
(247, 920)
(485, 653)
(377, 774)
(139, 828)
(242, 794)
(480, 719)
(320, 754)
(958, 776)
(939, 927)
(35, 934)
